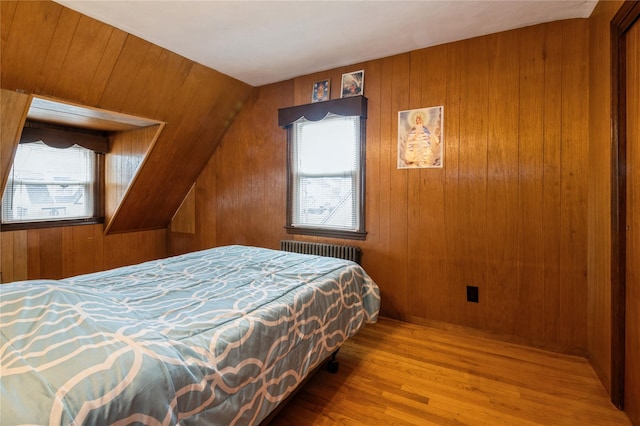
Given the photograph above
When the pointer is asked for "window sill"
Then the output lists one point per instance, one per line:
(331, 233)
(50, 224)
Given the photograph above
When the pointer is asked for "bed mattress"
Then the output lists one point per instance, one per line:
(219, 337)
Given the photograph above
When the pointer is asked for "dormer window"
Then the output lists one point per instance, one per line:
(50, 184)
(62, 173)
(55, 178)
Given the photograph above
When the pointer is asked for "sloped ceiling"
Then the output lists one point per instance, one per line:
(54, 52)
(261, 42)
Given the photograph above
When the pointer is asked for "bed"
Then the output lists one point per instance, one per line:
(220, 336)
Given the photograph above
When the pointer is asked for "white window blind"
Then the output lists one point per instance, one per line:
(326, 173)
(48, 184)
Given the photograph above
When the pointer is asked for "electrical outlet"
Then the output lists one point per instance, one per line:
(472, 294)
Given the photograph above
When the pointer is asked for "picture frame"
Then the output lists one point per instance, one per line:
(321, 91)
(352, 84)
(421, 138)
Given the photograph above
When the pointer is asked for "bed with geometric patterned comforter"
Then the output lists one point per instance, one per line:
(215, 337)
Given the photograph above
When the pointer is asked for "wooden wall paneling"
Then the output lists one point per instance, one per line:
(229, 195)
(13, 113)
(98, 248)
(415, 257)
(14, 263)
(203, 108)
(81, 250)
(54, 57)
(114, 250)
(249, 186)
(373, 76)
(20, 265)
(133, 247)
(206, 206)
(530, 303)
(574, 160)
(143, 80)
(376, 258)
(473, 179)
(4, 259)
(130, 59)
(127, 152)
(50, 253)
(376, 210)
(33, 254)
(388, 152)
(103, 73)
(233, 182)
(51, 50)
(160, 85)
(632, 305)
(599, 211)
(397, 249)
(495, 219)
(7, 11)
(185, 218)
(272, 151)
(432, 296)
(21, 63)
(82, 59)
(6, 262)
(503, 195)
(552, 134)
(453, 208)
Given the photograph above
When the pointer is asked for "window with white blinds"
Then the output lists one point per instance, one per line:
(326, 172)
(50, 184)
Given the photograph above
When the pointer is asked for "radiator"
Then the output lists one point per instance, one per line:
(352, 253)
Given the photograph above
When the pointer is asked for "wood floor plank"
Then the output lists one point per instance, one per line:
(395, 373)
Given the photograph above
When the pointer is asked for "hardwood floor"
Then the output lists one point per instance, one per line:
(394, 373)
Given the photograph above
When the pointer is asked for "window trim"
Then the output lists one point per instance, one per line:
(57, 137)
(350, 106)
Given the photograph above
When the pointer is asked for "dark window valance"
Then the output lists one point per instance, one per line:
(351, 106)
(58, 137)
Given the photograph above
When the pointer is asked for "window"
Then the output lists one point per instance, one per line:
(52, 185)
(326, 169)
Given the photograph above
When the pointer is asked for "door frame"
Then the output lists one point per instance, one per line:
(624, 19)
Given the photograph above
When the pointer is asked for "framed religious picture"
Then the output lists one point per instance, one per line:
(421, 138)
(321, 91)
(352, 84)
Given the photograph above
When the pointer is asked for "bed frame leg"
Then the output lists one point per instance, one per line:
(332, 364)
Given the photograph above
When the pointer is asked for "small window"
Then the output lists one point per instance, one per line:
(51, 186)
(326, 174)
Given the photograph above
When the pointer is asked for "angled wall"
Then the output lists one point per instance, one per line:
(50, 50)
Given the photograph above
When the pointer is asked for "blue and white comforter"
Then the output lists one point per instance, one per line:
(218, 337)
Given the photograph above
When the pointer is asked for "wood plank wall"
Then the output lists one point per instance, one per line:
(507, 213)
(599, 214)
(50, 50)
(121, 168)
(632, 168)
(63, 252)
(13, 110)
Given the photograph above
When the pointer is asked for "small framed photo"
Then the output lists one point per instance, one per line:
(321, 91)
(352, 84)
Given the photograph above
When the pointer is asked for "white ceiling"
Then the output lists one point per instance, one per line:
(262, 42)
